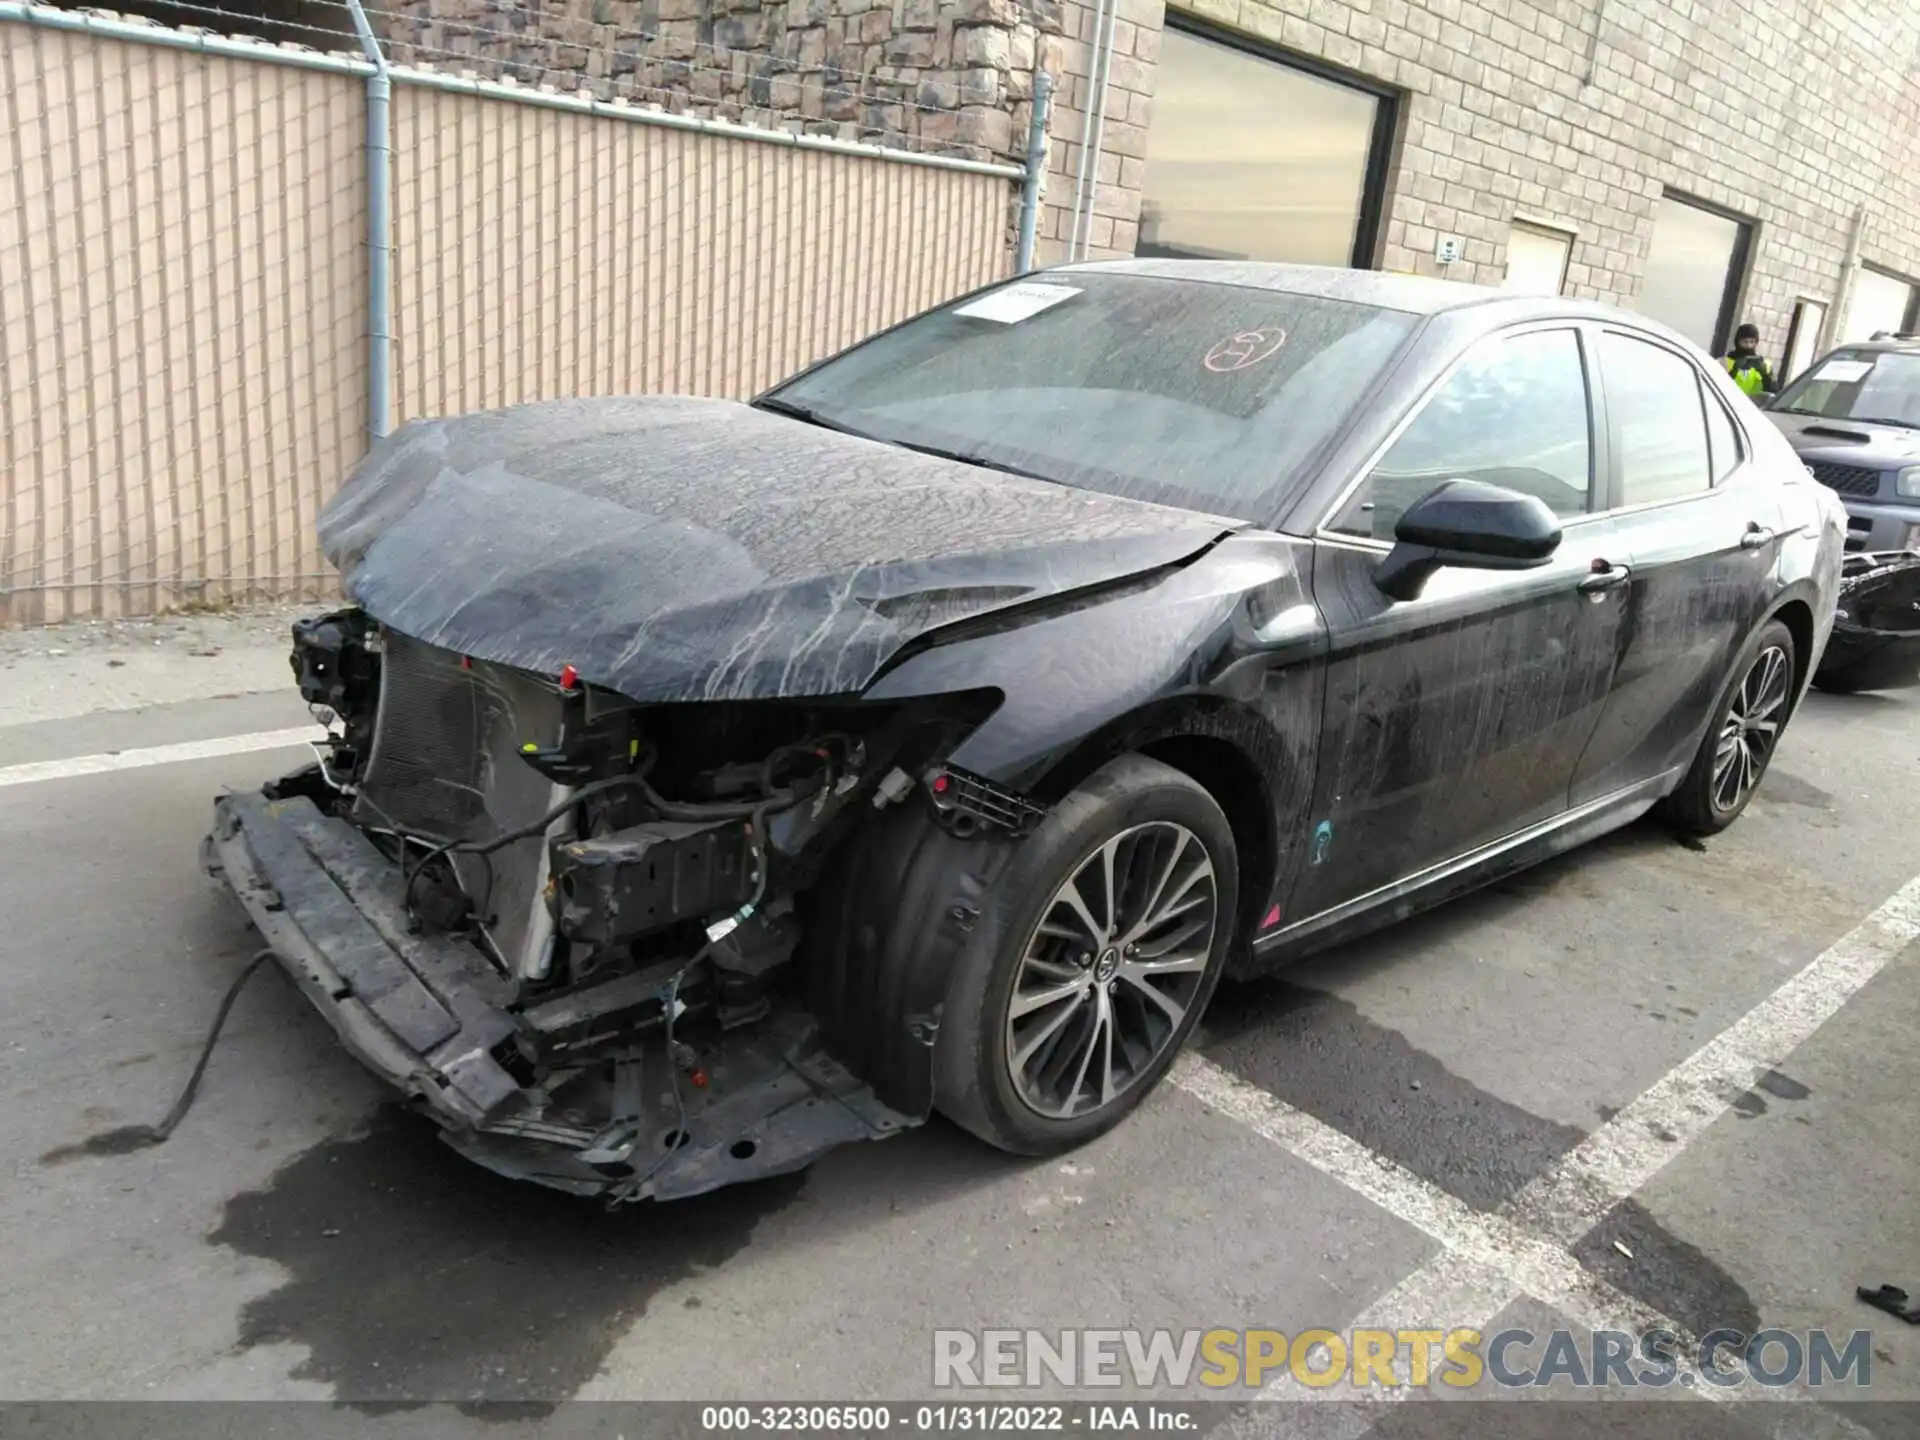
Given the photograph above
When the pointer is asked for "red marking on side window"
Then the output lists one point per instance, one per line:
(1244, 350)
(1273, 919)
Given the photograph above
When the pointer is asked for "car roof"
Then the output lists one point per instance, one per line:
(1412, 294)
(1892, 345)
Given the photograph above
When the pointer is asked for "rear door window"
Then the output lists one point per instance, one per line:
(1723, 439)
(1658, 418)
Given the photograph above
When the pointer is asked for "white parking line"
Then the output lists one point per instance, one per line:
(1488, 1261)
(1570, 1198)
(1621, 1156)
(112, 760)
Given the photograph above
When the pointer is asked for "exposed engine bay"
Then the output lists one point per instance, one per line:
(609, 946)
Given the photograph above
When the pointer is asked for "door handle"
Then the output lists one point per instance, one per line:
(1757, 535)
(1606, 576)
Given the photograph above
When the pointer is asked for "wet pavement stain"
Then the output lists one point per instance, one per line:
(417, 1276)
(1319, 1054)
(1782, 1087)
(121, 1140)
(1679, 1280)
(1750, 1105)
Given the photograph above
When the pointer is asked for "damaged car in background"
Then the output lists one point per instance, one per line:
(709, 784)
(1875, 643)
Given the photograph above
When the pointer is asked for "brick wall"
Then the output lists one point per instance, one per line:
(1115, 178)
(1792, 114)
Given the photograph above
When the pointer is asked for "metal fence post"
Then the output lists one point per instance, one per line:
(379, 229)
(1036, 170)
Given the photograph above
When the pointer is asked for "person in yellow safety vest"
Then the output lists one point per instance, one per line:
(1750, 372)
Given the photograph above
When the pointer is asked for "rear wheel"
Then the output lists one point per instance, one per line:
(1113, 924)
(1739, 744)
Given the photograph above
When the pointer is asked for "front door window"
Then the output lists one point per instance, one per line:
(1514, 413)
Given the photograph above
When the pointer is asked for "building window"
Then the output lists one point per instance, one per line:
(1694, 271)
(1881, 301)
(1249, 158)
(1536, 259)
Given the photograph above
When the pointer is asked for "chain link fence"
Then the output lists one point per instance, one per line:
(234, 247)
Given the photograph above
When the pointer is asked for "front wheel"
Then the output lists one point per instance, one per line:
(1110, 930)
(1739, 744)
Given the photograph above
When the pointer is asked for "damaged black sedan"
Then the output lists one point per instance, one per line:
(710, 784)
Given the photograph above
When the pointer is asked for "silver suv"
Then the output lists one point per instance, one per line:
(1854, 418)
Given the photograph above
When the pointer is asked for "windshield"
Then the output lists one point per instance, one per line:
(1868, 386)
(1211, 397)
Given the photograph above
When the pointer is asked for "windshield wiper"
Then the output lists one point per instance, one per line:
(968, 459)
(775, 405)
(1885, 420)
(814, 417)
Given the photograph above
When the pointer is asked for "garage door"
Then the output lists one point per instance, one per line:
(1880, 302)
(1693, 271)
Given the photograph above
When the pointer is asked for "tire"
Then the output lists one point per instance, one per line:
(1152, 817)
(1712, 796)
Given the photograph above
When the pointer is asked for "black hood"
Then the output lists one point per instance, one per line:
(680, 549)
(1849, 442)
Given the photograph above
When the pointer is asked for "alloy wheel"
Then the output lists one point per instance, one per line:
(1747, 735)
(1111, 969)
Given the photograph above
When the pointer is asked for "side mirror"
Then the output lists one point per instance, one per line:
(1471, 525)
(1764, 400)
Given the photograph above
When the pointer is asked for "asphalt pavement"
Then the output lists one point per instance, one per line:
(1646, 1082)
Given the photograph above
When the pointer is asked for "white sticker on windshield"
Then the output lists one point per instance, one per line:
(1844, 372)
(1014, 303)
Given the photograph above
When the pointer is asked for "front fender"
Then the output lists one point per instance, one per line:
(1216, 627)
(1808, 566)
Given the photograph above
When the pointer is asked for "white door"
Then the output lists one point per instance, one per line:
(1536, 260)
(1804, 345)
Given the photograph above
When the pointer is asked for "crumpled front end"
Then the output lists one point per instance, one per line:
(1875, 644)
(617, 949)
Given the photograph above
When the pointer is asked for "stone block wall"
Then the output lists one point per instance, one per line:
(943, 76)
